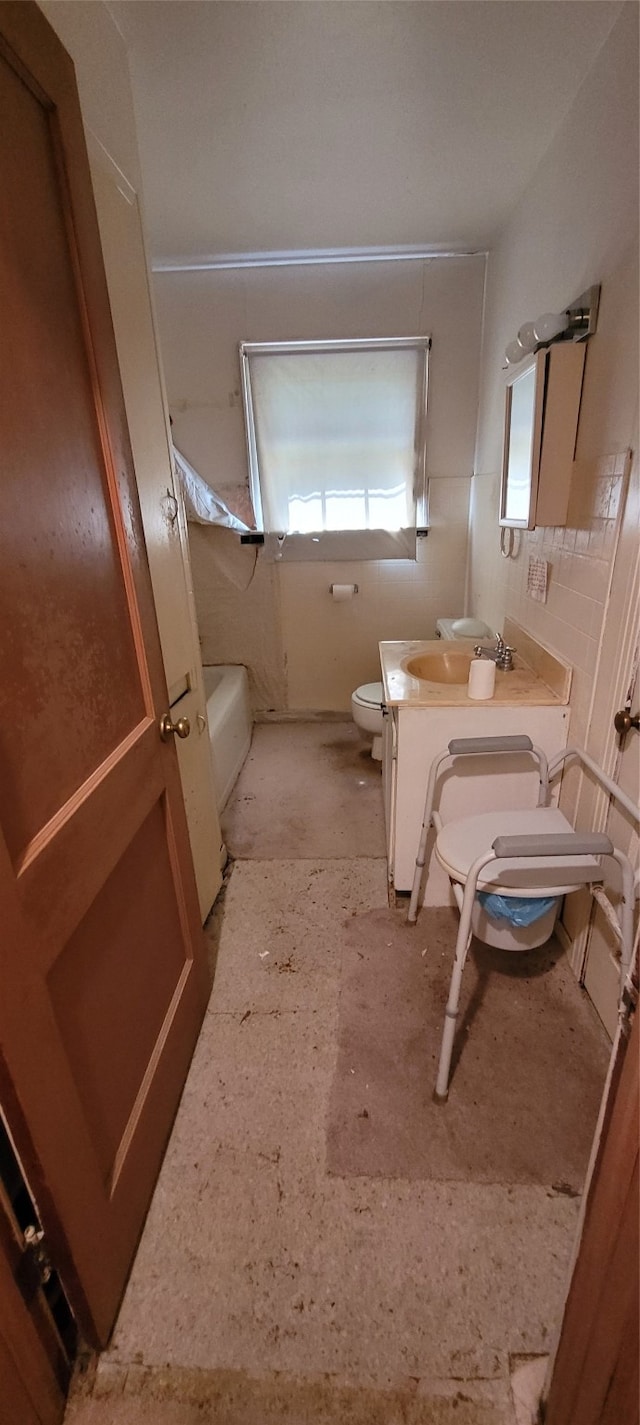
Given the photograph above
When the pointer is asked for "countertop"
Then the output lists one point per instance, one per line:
(521, 686)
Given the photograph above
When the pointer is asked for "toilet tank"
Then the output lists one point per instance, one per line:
(463, 628)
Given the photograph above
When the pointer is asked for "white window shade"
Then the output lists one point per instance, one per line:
(336, 444)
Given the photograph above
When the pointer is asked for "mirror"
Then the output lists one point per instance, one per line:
(522, 443)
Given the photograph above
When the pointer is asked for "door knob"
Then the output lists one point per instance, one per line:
(181, 728)
(623, 721)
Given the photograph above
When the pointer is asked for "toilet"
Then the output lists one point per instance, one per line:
(366, 709)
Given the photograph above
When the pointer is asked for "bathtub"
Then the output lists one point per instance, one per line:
(226, 689)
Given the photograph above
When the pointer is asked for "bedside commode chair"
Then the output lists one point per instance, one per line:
(533, 855)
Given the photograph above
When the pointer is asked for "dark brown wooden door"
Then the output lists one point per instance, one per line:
(595, 1378)
(104, 978)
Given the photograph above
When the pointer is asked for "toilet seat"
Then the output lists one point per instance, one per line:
(460, 843)
(367, 711)
(370, 695)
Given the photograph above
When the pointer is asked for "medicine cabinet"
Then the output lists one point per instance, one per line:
(541, 425)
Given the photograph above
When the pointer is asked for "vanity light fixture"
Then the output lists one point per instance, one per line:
(576, 323)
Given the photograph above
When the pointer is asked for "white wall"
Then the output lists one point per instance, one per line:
(98, 51)
(303, 651)
(576, 224)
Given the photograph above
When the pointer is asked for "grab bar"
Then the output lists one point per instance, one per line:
(600, 776)
(563, 843)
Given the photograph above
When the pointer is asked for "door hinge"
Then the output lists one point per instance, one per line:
(628, 1004)
(35, 1274)
(36, 1265)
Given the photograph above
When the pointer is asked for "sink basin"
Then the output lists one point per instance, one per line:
(445, 667)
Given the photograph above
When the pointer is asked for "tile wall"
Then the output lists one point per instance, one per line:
(237, 606)
(332, 648)
(303, 651)
(580, 559)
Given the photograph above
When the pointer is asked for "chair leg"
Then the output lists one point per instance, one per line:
(463, 942)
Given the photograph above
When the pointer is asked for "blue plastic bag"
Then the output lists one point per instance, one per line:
(518, 910)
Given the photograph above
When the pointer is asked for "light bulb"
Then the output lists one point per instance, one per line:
(527, 337)
(550, 325)
(514, 353)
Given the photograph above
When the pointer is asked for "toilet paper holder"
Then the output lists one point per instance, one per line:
(342, 591)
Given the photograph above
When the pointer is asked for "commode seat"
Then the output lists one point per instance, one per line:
(366, 709)
(460, 843)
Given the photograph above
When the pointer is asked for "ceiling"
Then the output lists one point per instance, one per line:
(270, 125)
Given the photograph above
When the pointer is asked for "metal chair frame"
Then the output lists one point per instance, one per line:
(514, 849)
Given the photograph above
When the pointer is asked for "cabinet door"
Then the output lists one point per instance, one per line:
(559, 432)
(540, 430)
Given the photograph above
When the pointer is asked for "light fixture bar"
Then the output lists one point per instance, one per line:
(583, 314)
(309, 258)
(574, 323)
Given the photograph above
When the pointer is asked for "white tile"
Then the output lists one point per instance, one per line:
(596, 544)
(576, 644)
(577, 610)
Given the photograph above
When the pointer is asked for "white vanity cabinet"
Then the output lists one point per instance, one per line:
(415, 736)
(420, 721)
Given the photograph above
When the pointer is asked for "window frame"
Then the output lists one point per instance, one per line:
(247, 349)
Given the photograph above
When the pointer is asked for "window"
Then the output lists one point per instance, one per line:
(336, 445)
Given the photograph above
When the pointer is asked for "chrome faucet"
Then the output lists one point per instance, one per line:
(502, 654)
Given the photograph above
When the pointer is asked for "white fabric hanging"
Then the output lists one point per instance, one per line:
(202, 505)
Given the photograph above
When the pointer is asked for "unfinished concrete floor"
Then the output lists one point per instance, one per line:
(264, 1288)
(306, 789)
